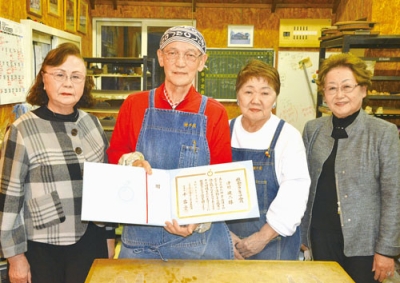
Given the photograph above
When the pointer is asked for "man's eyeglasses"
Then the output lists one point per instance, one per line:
(62, 76)
(172, 56)
(347, 88)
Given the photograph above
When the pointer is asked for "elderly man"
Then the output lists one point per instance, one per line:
(173, 126)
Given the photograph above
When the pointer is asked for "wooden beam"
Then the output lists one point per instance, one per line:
(273, 6)
(194, 6)
(335, 6)
(143, 3)
(263, 6)
(92, 4)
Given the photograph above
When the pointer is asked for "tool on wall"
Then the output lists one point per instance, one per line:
(304, 64)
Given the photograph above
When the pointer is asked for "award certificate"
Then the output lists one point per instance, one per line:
(126, 194)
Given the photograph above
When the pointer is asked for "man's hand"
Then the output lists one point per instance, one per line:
(175, 228)
(143, 163)
(135, 159)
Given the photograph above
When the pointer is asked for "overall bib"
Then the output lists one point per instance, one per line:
(285, 248)
(170, 140)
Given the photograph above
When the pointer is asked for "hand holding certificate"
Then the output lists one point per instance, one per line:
(124, 194)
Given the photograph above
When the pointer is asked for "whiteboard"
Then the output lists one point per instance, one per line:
(13, 68)
(296, 104)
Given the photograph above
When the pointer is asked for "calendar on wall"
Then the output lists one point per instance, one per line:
(13, 69)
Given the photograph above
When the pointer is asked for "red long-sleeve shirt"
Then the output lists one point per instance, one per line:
(129, 123)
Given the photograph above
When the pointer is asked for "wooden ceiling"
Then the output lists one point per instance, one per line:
(271, 4)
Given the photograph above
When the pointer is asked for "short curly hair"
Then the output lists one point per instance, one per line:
(355, 64)
(258, 69)
(38, 96)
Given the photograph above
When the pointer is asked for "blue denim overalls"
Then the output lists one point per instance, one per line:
(286, 248)
(169, 140)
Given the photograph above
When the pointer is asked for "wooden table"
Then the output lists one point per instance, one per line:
(215, 271)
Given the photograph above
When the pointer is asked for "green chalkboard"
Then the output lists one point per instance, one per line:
(218, 79)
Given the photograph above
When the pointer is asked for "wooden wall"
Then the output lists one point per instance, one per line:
(212, 20)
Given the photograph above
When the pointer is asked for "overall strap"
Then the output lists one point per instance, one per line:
(277, 133)
(151, 98)
(203, 104)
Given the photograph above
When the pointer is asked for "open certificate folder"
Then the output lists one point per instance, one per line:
(125, 194)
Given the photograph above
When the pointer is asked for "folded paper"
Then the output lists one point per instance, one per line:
(125, 194)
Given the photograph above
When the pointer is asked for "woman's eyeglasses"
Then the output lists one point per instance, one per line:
(347, 88)
(62, 76)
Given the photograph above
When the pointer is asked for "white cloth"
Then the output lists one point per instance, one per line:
(286, 211)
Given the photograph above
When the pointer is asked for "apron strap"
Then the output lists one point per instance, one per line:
(274, 139)
(202, 108)
(276, 135)
(203, 104)
(151, 98)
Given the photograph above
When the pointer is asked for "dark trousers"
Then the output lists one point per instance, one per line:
(329, 246)
(67, 264)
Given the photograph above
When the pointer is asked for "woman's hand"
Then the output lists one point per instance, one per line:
(19, 270)
(111, 248)
(251, 245)
(306, 251)
(256, 242)
(236, 240)
(175, 228)
(383, 267)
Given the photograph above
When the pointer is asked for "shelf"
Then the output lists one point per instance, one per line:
(118, 60)
(381, 59)
(108, 128)
(388, 111)
(108, 123)
(121, 73)
(324, 110)
(112, 94)
(362, 41)
(116, 75)
(146, 64)
(387, 116)
(383, 97)
(386, 78)
(102, 110)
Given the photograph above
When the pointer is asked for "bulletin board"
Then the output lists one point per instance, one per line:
(13, 75)
(218, 78)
